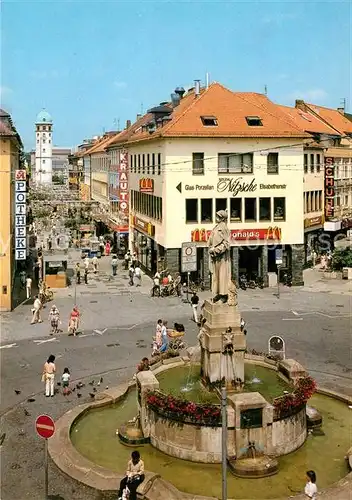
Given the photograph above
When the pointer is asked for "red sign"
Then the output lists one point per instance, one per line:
(20, 175)
(329, 184)
(146, 185)
(144, 226)
(271, 233)
(123, 183)
(45, 426)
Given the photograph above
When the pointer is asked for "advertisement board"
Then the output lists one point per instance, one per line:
(123, 185)
(20, 215)
(272, 233)
(329, 188)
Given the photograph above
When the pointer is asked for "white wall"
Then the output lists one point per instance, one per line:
(179, 169)
(43, 154)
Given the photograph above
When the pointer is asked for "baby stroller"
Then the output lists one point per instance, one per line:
(176, 342)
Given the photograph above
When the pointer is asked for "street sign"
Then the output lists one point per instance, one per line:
(45, 426)
(276, 346)
(278, 256)
(189, 257)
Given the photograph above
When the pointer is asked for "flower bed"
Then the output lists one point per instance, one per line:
(181, 410)
(292, 403)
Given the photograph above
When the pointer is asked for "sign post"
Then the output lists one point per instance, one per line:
(45, 427)
(188, 261)
(278, 260)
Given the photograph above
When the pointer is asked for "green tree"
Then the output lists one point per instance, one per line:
(342, 257)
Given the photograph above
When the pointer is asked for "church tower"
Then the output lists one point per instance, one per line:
(43, 148)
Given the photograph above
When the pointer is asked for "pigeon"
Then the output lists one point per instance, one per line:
(73, 389)
(107, 387)
(101, 380)
(30, 400)
(2, 438)
(79, 395)
(80, 385)
(26, 412)
(92, 395)
(94, 389)
(59, 383)
(17, 392)
(91, 383)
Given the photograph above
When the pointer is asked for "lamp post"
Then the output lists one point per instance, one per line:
(223, 399)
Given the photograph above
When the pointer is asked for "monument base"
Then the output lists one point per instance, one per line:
(223, 346)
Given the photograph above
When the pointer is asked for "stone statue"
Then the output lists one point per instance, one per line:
(232, 297)
(219, 262)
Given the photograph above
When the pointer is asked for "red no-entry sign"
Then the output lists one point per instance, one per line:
(45, 426)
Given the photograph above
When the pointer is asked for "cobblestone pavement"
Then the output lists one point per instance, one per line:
(118, 322)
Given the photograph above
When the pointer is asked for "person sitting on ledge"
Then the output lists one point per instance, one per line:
(134, 477)
(143, 365)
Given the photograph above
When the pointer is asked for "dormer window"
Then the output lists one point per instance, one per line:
(209, 121)
(254, 121)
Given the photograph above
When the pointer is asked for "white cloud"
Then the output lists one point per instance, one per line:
(310, 95)
(119, 85)
(5, 91)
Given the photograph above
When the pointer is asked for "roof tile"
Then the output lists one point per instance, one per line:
(333, 117)
(307, 121)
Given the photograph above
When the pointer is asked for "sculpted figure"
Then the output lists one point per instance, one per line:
(232, 300)
(219, 258)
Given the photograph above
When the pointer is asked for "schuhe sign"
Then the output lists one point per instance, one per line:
(329, 188)
(272, 233)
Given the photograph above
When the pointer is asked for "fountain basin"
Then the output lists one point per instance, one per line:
(253, 468)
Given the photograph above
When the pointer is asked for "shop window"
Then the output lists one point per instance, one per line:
(198, 163)
(148, 163)
(264, 209)
(250, 209)
(206, 210)
(318, 162)
(220, 204)
(139, 164)
(305, 163)
(153, 163)
(192, 210)
(279, 209)
(235, 209)
(273, 163)
(312, 163)
(159, 163)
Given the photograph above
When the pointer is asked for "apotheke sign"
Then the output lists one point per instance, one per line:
(20, 215)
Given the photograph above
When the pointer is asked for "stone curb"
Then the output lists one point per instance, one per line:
(71, 462)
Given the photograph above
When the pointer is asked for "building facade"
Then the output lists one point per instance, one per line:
(209, 150)
(13, 230)
(43, 149)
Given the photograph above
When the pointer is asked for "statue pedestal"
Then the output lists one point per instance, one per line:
(215, 364)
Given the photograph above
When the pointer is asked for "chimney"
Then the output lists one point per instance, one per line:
(300, 104)
(139, 116)
(196, 88)
(175, 99)
(341, 110)
(128, 124)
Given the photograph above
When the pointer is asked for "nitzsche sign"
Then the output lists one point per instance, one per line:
(271, 233)
(239, 185)
(329, 188)
(20, 215)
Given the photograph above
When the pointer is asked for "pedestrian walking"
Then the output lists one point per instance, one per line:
(48, 376)
(78, 273)
(127, 259)
(138, 275)
(156, 285)
(73, 322)
(107, 248)
(311, 489)
(37, 306)
(134, 259)
(86, 263)
(130, 275)
(114, 263)
(65, 380)
(86, 276)
(29, 287)
(134, 477)
(95, 264)
(195, 302)
(54, 318)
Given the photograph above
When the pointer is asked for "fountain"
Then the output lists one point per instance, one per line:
(173, 413)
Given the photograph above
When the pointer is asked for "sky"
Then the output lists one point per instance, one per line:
(94, 64)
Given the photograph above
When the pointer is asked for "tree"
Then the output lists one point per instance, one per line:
(58, 179)
(342, 257)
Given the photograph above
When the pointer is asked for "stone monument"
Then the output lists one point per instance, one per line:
(221, 339)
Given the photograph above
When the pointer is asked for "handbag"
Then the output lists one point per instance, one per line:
(44, 377)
